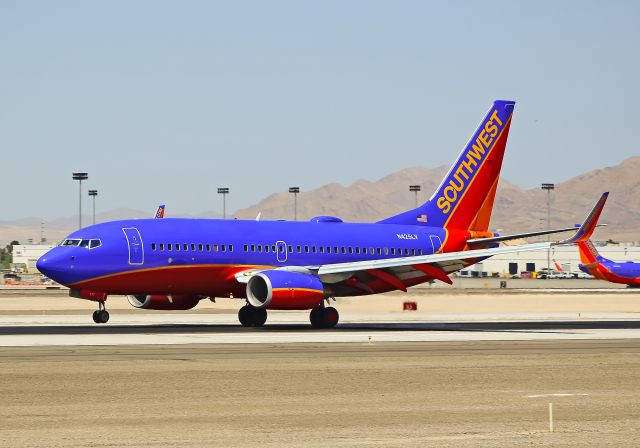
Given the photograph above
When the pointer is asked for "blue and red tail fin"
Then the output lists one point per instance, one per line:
(464, 199)
(160, 212)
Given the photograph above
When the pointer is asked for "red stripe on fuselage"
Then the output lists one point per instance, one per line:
(209, 280)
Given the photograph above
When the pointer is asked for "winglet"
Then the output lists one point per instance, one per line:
(589, 224)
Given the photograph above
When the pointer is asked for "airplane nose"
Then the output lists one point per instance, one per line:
(43, 265)
(50, 264)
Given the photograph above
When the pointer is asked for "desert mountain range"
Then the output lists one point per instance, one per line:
(515, 209)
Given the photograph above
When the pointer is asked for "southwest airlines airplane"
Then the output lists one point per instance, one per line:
(612, 271)
(172, 264)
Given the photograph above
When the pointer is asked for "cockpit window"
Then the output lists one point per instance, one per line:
(87, 244)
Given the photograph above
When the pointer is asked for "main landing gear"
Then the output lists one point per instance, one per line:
(324, 317)
(101, 315)
(250, 316)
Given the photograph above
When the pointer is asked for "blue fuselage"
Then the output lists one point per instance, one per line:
(134, 255)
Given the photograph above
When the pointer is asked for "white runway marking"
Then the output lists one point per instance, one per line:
(556, 395)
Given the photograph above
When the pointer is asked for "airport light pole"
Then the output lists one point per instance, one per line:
(93, 194)
(295, 191)
(415, 189)
(224, 191)
(549, 188)
(80, 177)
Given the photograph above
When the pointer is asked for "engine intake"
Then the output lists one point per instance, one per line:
(285, 290)
(159, 302)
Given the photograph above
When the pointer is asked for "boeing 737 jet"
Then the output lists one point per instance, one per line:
(172, 264)
(593, 263)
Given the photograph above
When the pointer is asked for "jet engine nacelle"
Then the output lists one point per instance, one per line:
(285, 290)
(168, 302)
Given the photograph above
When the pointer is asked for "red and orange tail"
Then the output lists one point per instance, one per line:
(464, 199)
(589, 254)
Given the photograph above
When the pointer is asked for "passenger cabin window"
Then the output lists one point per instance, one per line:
(169, 246)
(208, 247)
(230, 247)
(185, 247)
(246, 248)
(153, 246)
(193, 247)
(161, 246)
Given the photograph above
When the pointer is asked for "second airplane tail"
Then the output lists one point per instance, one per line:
(464, 199)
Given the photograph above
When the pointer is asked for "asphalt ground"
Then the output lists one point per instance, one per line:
(471, 368)
(462, 394)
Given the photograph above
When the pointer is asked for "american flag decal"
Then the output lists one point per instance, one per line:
(422, 218)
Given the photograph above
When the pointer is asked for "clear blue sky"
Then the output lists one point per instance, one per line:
(165, 101)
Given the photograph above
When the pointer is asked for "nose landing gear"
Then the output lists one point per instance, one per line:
(101, 315)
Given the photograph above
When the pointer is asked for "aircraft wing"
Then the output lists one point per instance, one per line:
(439, 265)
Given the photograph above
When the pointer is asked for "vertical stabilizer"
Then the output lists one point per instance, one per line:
(464, 199)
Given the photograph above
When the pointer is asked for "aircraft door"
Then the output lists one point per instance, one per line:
(281, 251)
(134, 242)
(436, 243)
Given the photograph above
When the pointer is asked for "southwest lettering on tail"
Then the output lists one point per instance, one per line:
(469, 164)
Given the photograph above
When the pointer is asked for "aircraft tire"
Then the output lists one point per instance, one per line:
(330, 317)
(259, 317)
(103, 316)
(315, 317)
(252, 317)
(244, 316)
(95, 316)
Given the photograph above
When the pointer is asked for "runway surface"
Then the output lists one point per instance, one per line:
(291, 328)
(469, 369)
(45, 318)
(452, 394)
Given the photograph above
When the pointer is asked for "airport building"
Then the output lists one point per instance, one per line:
(567, 257)
(26, 255)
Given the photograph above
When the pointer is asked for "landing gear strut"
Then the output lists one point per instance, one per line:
(324, 317)
(250, 316)
(101, 315)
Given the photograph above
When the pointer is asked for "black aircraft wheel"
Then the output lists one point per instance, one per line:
(95, 316)
(252, 317)
(330, 317)
(315, 316)
(245, 316)
(259, 317)
(103, 316)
